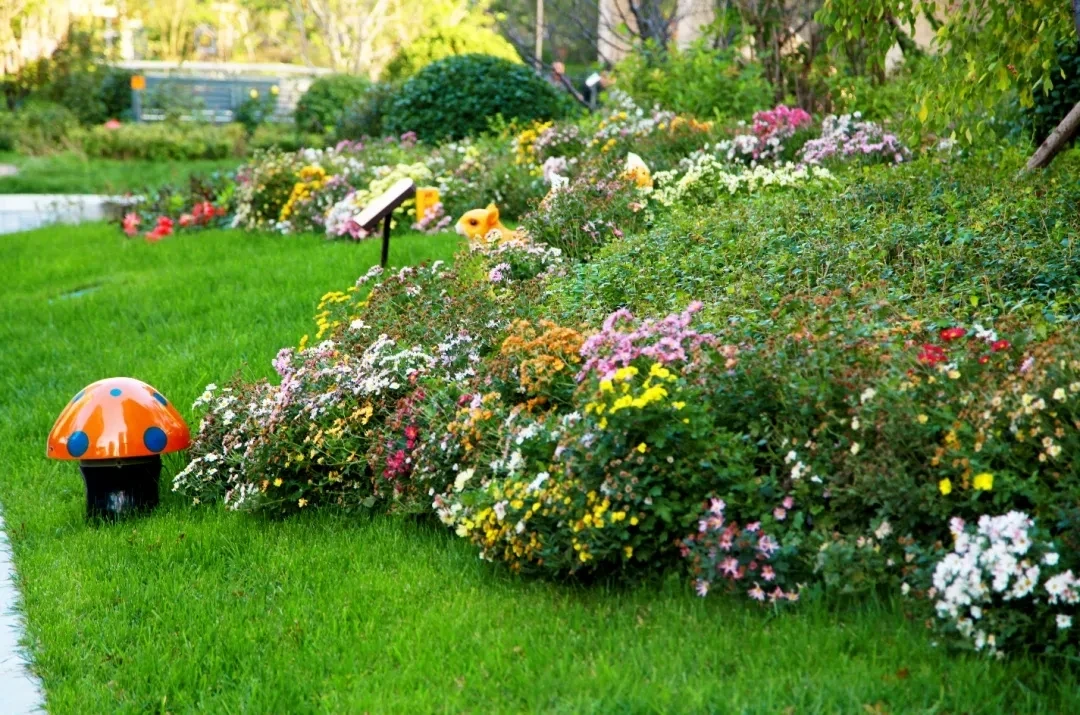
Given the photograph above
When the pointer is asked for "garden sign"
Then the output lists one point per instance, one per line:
(381, 207)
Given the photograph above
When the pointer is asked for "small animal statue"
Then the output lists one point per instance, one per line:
(638, 171)
(482, 226)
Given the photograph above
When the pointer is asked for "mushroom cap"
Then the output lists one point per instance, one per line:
(117, 418)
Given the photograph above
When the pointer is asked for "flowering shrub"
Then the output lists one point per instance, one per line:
(283, 447)
(1004, 584)
(850, 137)
(597, 206)
(706, 178)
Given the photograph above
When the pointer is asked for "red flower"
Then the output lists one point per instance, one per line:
(949, 334)
(186, 220)
(1000, 345)
(131, 223)
(932, 354)
(163, 228)
(113, 124)
(983, 359)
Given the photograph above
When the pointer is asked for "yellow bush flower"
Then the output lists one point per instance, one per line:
(945, 486)
(983, 482)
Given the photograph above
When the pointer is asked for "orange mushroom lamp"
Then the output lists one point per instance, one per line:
(118, 429)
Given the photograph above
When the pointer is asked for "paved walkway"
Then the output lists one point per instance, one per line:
(20, 691)
(22, 212)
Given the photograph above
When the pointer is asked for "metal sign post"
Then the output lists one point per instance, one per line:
(380, 209)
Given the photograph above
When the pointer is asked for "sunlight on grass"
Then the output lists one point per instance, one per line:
(195, 609)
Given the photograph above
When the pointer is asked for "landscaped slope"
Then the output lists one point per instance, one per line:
(197, 609)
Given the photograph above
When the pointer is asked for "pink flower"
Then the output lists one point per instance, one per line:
(186, 220)
(789, 502)
(753, 526)
(779, 513)
(767, 573)
(776, 595)
(131, 223)
(716, 506)
(113, 124)
(729, 566)
(756, 593)
(702, 587)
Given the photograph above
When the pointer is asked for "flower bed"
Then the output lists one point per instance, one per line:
(523, 168)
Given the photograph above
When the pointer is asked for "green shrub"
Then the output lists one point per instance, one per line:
(365, 116)
(44, 127)
(699, 80)
(1049, 109)
(256, 109)
(322, 105)
(284, 137)
(164, 141)
(446, 41)
(457, 97)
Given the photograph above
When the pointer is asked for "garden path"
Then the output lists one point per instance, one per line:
(23, 212)
(20, 692)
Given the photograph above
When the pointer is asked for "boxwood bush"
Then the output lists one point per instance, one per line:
(457, 96)
(322, 105)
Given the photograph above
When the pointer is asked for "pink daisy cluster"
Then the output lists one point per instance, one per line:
(722, 551)
(669, 341)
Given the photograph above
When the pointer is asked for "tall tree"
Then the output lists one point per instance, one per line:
(987, 48)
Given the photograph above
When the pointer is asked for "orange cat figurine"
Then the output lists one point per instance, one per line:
(483, 226)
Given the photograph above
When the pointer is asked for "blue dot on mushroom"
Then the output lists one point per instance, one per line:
(158, 396)
(155, 439)
(77, 443)
(115, 392)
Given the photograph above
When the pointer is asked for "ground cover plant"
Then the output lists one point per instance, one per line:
(164, 613)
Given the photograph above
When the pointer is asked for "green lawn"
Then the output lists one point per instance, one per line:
(69, 173)
(192, 609)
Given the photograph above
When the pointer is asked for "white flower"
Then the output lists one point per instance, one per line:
(867, 395)
(790, 457)
(1063, 621)
(883, 530)
(500, 510)
(855, 448)
(1059, 394)
(463, 479)
(905, 589)
(535, 484)
(1050, 558)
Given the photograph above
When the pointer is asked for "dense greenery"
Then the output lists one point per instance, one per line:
(323, 104)
(458, 96)
(699, 80)
(446, 41)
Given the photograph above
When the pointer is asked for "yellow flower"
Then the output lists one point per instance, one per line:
(628, 550)
(633, 521)
(658, 370)
(625, 373)
(922, 419)
(945, 486)
(603, 422)
(641, 448)
(302, 503)
(984, 481)
(254, 94)
(278, 482)
(678, 405)
(618, 515)
(605, 386)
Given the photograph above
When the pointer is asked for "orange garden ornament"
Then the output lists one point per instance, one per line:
(118, 429)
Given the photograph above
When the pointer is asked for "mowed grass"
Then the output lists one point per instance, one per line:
(192, 609)
(71, 173)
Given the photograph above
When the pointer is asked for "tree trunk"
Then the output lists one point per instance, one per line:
(1057, 140)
